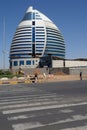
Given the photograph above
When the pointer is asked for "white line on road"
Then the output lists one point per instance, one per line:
(14, 102)
(28, 96)
(28, 104)
(30, 125)
(42, 108)
(26, 126)
(18, 117)
(77, 128)
(19, 101)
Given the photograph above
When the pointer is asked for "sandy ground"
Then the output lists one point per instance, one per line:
(54, 78)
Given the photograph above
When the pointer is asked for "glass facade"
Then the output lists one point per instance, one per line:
(55, 43)
(36, 36)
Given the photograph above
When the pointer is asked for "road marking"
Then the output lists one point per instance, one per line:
(28, 104)
(77, 128)
(18, 117)
(23, 117)
(30, 125)
(73, 118)
(42, 108)
(29, 95)
(29, 98)
(13, 102)
(25, 126)
(66, 111)
(19, 101)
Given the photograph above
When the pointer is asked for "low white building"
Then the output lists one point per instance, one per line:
(68, 63)
(75, 66)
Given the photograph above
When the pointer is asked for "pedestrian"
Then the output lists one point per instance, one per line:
(80, 75)
(44, 75)
(36, 77)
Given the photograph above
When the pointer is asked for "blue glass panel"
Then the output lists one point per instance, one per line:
(21, 45)
(40, 43)
(38, 50)
(23, 31)
(39, 27)
(33, 34)
(28, 16)
(33, 62)
(21, 39)
(17, 56)
(40, 38)
(33, 15)
(10, 63)
(21, 51)
(28, 62)
(15, 63)
(17, 42)
(61, 55)
(39, 46)
(21, 62)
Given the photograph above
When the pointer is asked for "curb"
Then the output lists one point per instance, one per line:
(19, 82)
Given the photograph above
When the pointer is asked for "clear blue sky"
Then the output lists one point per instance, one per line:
(69, 15)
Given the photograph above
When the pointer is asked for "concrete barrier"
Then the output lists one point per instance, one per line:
(13, 82)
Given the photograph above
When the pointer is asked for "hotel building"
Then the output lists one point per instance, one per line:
(35, 40)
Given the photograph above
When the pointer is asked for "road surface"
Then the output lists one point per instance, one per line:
(46, 106)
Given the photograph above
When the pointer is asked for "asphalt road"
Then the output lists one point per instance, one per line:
(46, 106)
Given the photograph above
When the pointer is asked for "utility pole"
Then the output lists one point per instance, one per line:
(4, 43)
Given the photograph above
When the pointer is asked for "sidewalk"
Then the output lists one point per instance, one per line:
(58, 78)
(41, 79)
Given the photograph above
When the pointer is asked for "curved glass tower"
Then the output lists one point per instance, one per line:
(36, 36)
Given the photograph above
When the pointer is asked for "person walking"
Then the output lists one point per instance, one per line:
(36, 77)
(80, 75)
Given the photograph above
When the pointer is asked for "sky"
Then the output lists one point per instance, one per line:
(70, 16)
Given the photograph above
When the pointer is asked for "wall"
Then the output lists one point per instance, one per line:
(57, 63)
(32, 71)
(74, 63)
(76, 71)
(59, 70)
(75, 67)
(68, 63)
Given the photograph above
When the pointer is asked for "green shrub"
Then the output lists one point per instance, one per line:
(8, 74)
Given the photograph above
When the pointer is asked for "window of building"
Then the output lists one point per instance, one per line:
(33, 62)
(21, 62)
(33, 50)
(10, 63)
(33, 22)
(28, 62)
(28, 16)
(33, 15)
(33, 34)
(15, 63)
